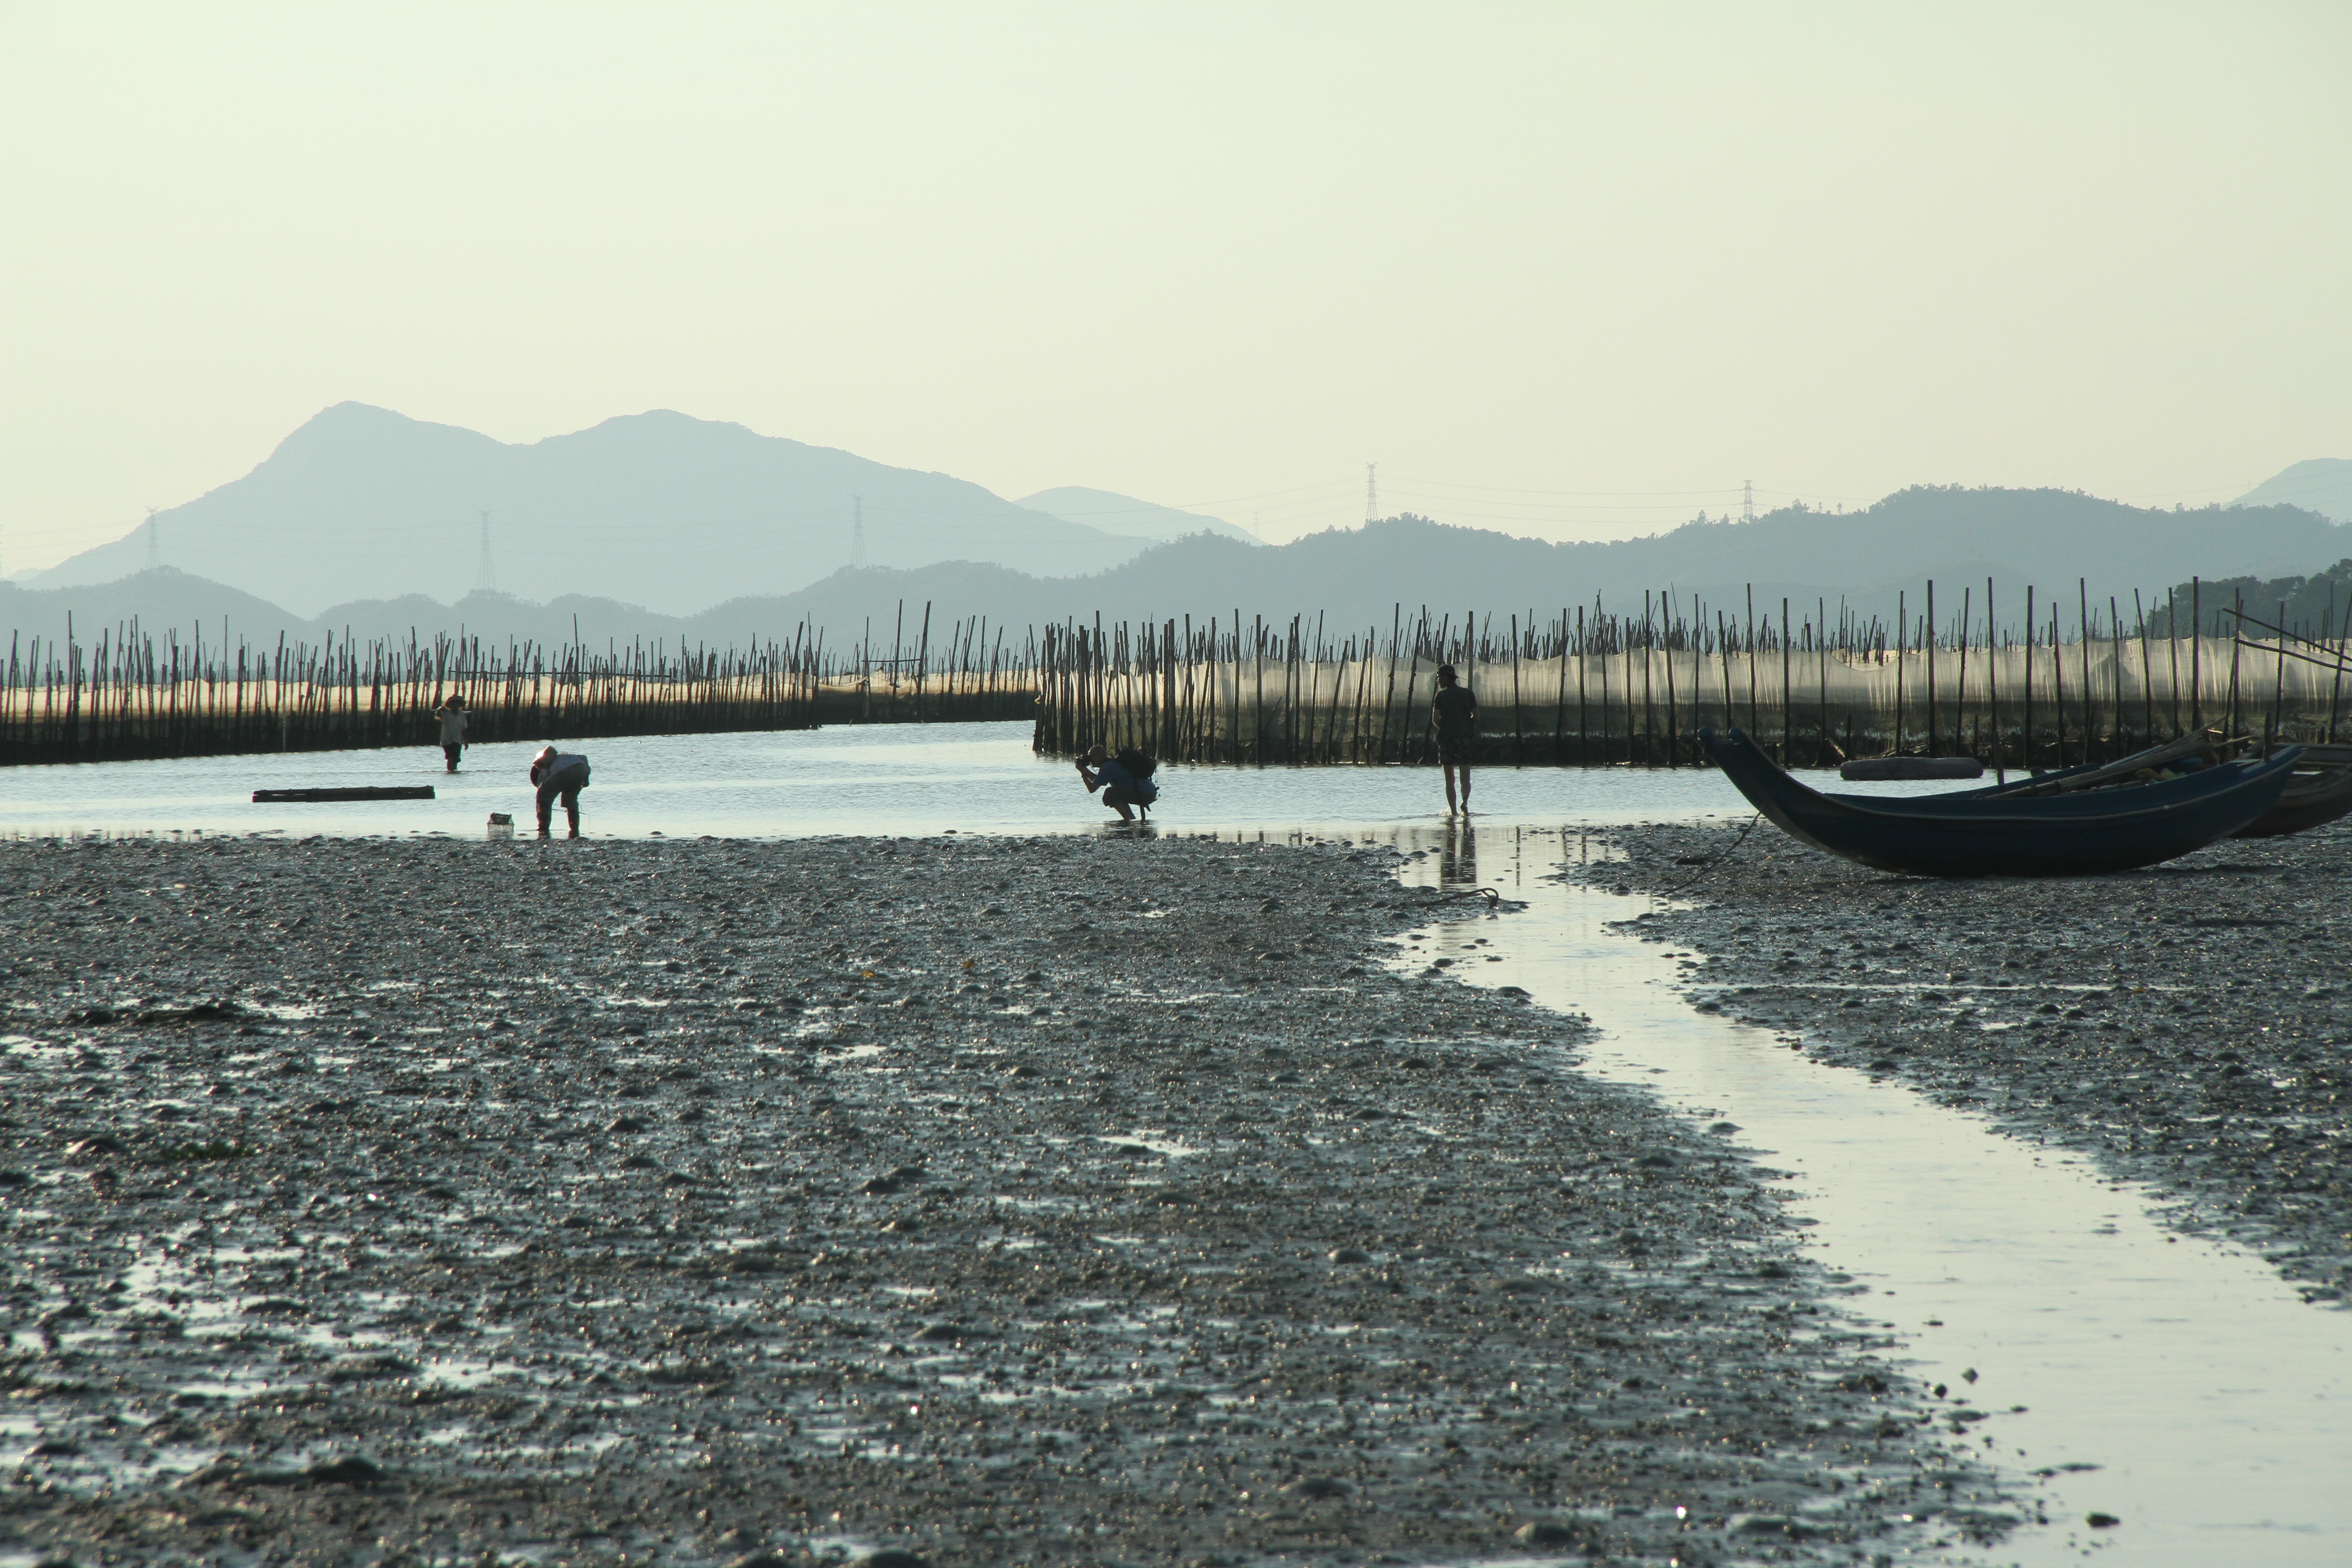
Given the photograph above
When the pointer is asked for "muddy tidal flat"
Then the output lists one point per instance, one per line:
(2190, 1025)
(968, 1201)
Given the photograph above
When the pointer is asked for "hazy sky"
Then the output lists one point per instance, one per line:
(1576, 270)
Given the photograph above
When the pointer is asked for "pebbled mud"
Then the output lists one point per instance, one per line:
(1071, 1200)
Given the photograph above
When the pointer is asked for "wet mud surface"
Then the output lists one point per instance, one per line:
(1077, 1200)
(2189, 1024)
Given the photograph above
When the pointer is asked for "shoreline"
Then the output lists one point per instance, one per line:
(2190, 1026)
(991, 1199)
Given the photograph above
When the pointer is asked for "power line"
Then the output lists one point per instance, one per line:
(1528, 490)
(1260, 495)
(485, 581)
(1500, 506)
(154, 546)
(1371, 492)
(857, 531)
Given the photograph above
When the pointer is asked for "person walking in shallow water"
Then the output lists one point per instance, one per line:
(1454, 716)
(558, 775)
(452, 714)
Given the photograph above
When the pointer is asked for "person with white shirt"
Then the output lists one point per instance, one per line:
(452, 714)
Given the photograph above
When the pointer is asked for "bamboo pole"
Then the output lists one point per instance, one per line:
(1992, 687)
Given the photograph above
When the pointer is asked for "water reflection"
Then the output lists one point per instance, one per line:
(1457, 858)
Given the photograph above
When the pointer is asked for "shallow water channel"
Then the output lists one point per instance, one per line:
(2174, 1384)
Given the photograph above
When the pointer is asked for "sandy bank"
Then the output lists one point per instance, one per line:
(1083, 1200)
(2190, 1025)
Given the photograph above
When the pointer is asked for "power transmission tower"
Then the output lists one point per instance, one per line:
(1748, 503)
(1371, 492)
(857, 531)
(154, 546)
(485, 581)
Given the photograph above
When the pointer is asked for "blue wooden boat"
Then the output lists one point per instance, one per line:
(1973, 833)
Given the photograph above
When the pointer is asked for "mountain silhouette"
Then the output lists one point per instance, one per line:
(2323, 485)
(654, 509)
(1354, 578)
(1121, 514)
(1871, 561)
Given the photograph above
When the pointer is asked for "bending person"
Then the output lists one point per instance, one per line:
(1125, 779)
(559, 775)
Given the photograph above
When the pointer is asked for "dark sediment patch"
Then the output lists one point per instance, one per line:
(2189, 1024)
(984, 1200)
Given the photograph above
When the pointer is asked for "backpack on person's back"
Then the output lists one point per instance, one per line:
(1139, 765)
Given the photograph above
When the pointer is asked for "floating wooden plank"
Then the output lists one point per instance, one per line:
(355, 792)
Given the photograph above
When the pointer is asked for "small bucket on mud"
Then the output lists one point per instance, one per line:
(502, 825)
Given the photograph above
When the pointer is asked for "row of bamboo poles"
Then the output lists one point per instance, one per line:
(131, 695)
(1587, 686)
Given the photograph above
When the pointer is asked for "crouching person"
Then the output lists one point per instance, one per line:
(559, 775)
(1125, 779)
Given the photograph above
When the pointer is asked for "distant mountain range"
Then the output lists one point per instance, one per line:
(1355, 579)
(656, 510)
(1869, 561)
(2323, 485)
(662, 524)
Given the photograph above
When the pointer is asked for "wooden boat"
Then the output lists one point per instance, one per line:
(2319, 791)
(2104, 775)
(2310, 800)
(348, 792)
(1975, 833)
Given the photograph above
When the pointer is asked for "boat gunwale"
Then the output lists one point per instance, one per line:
(2200, 789)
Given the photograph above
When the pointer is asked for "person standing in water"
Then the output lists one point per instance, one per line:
(1454, 716)
(452, 714)
(559, 775)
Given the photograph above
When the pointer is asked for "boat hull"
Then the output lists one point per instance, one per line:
(2304, 805)
(1969, 834)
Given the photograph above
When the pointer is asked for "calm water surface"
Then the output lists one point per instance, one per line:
(863, 779)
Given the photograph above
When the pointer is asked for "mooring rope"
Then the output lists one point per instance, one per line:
(1713, 862)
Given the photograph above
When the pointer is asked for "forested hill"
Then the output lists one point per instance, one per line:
(2316, 606)
(1357, 578)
